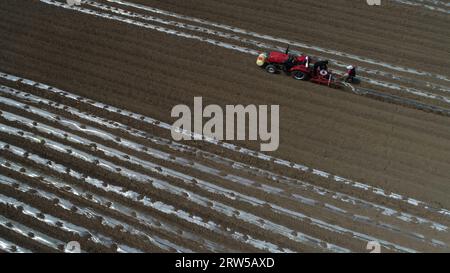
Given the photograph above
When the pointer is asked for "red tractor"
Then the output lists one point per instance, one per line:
(299, 67)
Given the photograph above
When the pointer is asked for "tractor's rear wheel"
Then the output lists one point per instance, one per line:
(298, 75)
(271, 69)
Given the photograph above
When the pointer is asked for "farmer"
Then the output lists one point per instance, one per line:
(296, 60)
(290, 62)
(351, 73)
(303, 60)
(319, 66)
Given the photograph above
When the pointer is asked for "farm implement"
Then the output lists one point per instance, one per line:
(301, 67)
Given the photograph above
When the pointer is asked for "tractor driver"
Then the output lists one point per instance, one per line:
(290, 62)
(319, 66)
(303, 60)
(296, 60)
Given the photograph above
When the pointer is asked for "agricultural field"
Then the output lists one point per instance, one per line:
(87, 154)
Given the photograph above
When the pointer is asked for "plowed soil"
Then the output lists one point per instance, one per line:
(398, 149)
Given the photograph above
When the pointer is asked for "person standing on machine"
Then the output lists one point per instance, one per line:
(319, 66)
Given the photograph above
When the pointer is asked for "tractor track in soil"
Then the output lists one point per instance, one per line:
(383, 96)
(74, 167)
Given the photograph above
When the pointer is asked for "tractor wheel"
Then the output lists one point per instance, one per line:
(271, 69)
(298, 75)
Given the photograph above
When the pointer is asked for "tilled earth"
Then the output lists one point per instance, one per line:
(86, 152)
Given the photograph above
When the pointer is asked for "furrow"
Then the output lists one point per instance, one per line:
(135, 197)
(235, 148)
(182, 148)
(30, 233)
(281, 40)
(426, 6)
(57, 184)
(203, 184)
(162, 207)
(160, 184)
(9, 247)
(56, 222)
(263, 45)
(68, 206)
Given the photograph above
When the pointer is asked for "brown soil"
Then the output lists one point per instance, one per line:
(399, 149)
